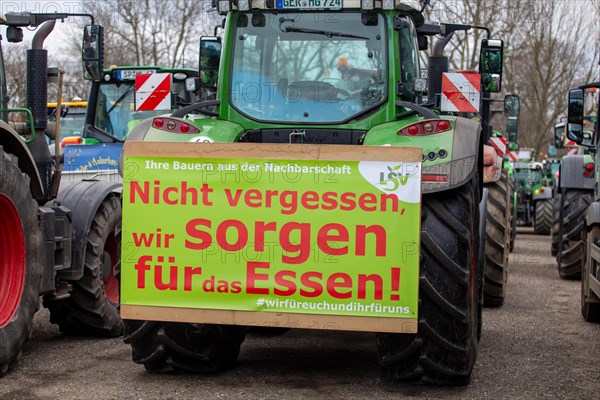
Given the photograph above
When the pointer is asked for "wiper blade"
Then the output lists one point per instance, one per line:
(120, 99)
(325, 33)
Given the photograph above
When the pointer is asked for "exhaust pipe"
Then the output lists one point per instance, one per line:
(37, 102)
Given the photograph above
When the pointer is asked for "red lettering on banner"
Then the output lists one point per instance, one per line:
(280, 280)
(252, 277)
(306, 280)
(345, 283)
(192, 230)
(302, 248)
(324, 237)
(242, 235)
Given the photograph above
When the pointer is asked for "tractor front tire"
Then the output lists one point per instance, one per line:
(555, 225)
(22, 255)
(590, 302)
(93, 307)
(445, 348)
(175, 346)
(497, 240)
(571, 246)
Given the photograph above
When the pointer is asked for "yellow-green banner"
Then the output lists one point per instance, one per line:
(275, 235)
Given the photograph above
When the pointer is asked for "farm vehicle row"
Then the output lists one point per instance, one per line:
(260, 99)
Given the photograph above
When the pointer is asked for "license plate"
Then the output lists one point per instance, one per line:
(309, 4)
(129, 74)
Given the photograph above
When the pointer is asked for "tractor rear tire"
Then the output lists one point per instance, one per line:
(513, 218)
(497, 241)
(555, 225)
(93, 307)
(445, 348)
(590, 302)
(571, 247)
(174, 346)
(22, 255)
(543, 217)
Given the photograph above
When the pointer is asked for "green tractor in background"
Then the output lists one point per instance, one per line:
(533, 196)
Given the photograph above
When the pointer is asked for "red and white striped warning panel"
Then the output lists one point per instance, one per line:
(153, 92)
(499, 143)
(461, 92)
(570, 143)
(573, 151)
(513, 156)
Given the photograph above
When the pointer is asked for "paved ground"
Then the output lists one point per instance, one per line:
(535, 346)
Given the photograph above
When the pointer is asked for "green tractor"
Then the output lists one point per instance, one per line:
(294, 76)
(586, 135)
(533, 195)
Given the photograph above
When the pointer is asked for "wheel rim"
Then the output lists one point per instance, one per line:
(13, 258)
(110, 276)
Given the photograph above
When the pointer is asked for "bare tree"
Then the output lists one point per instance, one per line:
(14, 67)
(153, 32)
(550, 46)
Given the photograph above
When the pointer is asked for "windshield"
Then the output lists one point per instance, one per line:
(72, 124)
(528, 177)
(309, 67)
(115, 107)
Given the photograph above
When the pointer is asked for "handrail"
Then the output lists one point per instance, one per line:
(30, 115)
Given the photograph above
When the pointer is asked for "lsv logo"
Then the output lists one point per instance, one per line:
(390, 180)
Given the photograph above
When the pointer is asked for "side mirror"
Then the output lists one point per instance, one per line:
(210, 53)
(490, 65)
(512, 105)
(575, 115)
(512, 124)
(92, 52)
(210, 57)
(559, 132)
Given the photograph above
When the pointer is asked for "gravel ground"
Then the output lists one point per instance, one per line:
(535, 346)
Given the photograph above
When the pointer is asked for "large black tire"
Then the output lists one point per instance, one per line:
(571, 247)
(590, 302)
(543, 217)
(513, 218)
(164, 346)
(93, 307)
(22, 256)
(555, 225)
(497, 240)
(445, 348)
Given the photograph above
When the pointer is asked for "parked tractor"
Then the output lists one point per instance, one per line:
(587, 135)
(112, 113)
(62, 246)
(534, 198)
(295, 80)
(575, 194)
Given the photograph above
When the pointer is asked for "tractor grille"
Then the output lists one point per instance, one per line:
(311, 136)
